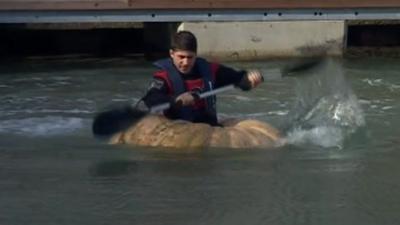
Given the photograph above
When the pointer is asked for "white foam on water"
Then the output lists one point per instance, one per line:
(382, 83)
(242, 98)
(34, 111)
(387, 107)
(323, 136)
(42, 126)
(278, 113)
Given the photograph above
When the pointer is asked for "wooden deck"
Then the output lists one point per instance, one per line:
(193, 4)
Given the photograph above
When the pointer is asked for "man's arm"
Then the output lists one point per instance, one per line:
(226, 75)
(245, 80)
(157, 94)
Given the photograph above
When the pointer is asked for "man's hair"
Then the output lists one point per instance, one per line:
(184, 40)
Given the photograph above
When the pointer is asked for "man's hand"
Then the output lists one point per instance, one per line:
(185, 99)
(254, 77)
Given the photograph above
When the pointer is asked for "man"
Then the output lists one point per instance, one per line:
(182, 76)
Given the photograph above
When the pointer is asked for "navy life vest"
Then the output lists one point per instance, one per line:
(178, 86)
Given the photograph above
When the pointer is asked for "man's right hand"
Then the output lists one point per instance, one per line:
(185, 99)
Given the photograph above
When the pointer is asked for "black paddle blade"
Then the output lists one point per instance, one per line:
(113, 121)
(301, 66)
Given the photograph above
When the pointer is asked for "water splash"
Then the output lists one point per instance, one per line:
(326, 110)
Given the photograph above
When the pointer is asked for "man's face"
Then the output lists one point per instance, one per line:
(183, 60)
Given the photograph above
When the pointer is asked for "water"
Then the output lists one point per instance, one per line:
(339, 164)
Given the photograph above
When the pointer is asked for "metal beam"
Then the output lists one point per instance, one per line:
(192, 4)
(195, 15)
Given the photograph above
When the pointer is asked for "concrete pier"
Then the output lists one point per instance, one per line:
(259, 40)
(225, 41)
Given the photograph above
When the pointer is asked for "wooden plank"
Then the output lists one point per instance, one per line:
(63, 4)
(262, 4)
(192, 4)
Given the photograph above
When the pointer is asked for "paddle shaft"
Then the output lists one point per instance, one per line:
(203, 95)
(118, 119)
(110, 122)
(286, 72)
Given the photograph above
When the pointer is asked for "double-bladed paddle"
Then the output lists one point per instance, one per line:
(118, 119)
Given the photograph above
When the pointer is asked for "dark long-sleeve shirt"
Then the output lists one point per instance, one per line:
(158, 91)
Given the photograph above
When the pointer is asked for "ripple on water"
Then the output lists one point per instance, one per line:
(381, 83)
(42, 126)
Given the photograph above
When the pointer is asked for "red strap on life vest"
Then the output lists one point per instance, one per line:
(162, 74)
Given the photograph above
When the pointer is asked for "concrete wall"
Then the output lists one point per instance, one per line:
(259, 40)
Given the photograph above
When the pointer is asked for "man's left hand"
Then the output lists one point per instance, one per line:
(254, 77)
